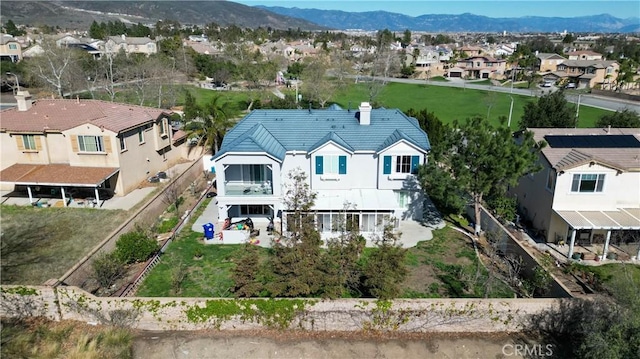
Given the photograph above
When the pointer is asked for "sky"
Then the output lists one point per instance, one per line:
(512, 8)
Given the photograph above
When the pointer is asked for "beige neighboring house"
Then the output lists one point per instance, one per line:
(131, 45)
(589, 73)
(90, 146)
(588, 191)
(584, 55)
(548, 62)
(479, 67)
(10, 48)
(471, 51)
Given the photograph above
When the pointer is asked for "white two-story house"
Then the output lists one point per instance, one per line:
(359, 161)
(588, 192)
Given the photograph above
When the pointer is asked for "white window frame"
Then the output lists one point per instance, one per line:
(98, 142)
(551, 180)
(29, 142)
(123, 143)
(598, 186)
(141, 135)
(330, 164)
(404, 199)
(164, 132)
(400, 164)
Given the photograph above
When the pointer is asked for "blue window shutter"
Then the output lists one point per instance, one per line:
(415, 161)
(387, 165)
(319, 162)
(342, 165)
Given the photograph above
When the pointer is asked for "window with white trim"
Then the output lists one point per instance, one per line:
(90, 144)
(551, 179)
(331, 165)
(140, 135)
(29, 142)
(403, 164)
(163, 127)
(587, 182)
(123, 143)
(403, 199)
(323, 222)
(13, 47)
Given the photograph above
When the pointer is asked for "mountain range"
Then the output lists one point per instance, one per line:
(80, 14)
(376, 20)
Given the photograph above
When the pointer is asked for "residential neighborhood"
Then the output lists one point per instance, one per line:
(461, 191)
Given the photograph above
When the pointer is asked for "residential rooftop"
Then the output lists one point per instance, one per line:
(279, 131)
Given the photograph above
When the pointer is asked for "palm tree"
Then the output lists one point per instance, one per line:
(209, 123)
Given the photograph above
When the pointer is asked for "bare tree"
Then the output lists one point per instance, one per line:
(172, 196)
(316, 84)
(54, 67)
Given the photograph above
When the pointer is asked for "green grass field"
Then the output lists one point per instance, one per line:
(447, 103)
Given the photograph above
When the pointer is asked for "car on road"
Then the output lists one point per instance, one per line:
(547, 84)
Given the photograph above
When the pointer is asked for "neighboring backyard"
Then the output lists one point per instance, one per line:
(38, 244)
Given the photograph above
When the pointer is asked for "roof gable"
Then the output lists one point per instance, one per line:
(332, 137)
(256, 139)
(394, 138)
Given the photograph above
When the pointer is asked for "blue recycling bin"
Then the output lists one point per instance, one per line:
(208, 230)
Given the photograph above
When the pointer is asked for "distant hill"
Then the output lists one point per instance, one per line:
(80, 14)
(377, 20)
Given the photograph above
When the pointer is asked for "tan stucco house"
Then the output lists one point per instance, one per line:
(10, 48)
(548, 62)
(131, 45)
(588, 191)
(89, 145)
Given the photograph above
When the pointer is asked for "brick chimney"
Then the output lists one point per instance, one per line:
(365, 114)
(24, 100)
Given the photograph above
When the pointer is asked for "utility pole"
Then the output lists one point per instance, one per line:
(578, 110)
(510, 112)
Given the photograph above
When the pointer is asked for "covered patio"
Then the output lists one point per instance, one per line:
(84, 185)
(603, 233)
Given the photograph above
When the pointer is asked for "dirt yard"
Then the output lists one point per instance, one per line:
(178, 345)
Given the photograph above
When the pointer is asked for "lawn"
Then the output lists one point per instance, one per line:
(43, 243)
(447, 267)
(206, 275)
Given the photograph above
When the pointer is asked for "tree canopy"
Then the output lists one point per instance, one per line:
(620, 119)
(551, 110)
(477, 159)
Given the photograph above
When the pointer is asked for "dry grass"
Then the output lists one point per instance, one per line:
(42, 243)
(38, 338)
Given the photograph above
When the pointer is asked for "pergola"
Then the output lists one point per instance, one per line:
(63, 176)
(621, 219)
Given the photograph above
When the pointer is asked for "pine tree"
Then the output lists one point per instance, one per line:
(385, 269)
(246, 273)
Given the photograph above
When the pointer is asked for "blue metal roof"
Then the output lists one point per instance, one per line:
(278, 131)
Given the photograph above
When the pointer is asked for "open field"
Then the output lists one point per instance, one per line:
(43, 243)
(448, 103)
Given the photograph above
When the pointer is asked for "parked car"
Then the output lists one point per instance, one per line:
(547, 84)
(570, 85)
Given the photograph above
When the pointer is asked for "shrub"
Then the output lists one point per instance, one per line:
(135, 247)
(107, 268)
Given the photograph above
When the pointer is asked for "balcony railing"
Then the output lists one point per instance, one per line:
(248, 189)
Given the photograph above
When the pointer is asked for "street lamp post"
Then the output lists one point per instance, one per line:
(578, 110)
(510, 112)
(17, 81)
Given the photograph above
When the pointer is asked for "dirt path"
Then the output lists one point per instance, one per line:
(243, 345)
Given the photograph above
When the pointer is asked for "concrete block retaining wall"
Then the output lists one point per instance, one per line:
(403, 315)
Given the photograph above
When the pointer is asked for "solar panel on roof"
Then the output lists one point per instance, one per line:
(592, 141)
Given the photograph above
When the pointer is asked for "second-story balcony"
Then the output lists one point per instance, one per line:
(248, 180)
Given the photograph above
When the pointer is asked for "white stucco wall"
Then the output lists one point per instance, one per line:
(621, 190)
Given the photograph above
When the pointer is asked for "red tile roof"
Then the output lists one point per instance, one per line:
(61, 115)
(56, 174)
